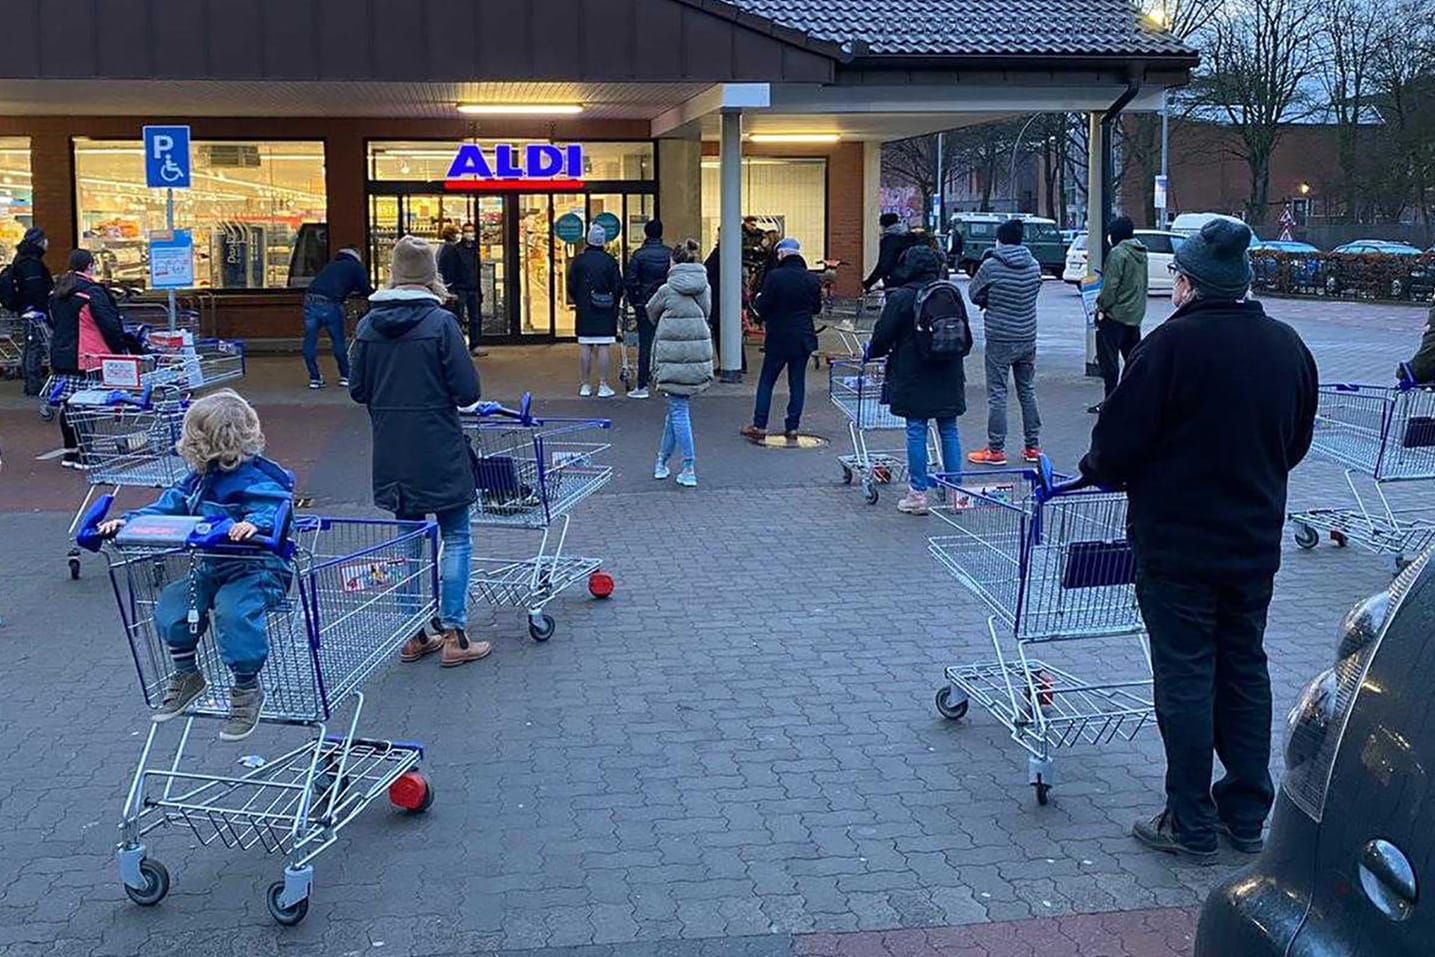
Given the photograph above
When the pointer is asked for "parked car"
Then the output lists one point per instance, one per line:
(1188, 224)
(1351, 844)
(1305, 273)
(1381, 271)
(1376, 247)
(1160, 253)
(1282, 246)
(979, 234)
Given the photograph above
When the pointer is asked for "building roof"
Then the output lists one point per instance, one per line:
(973, 28)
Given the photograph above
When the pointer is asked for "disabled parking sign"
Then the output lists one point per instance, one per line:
(166, 157)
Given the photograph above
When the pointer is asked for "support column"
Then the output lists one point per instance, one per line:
(680, 187)
(871, 205)
(1095, 227)
(730, 258)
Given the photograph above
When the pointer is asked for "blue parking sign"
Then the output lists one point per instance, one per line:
(166, 157)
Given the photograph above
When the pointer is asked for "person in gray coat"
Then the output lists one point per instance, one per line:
(411, 368)
(682, 354)
(1005, 288)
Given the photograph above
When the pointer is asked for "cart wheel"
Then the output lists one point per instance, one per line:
(947, 708)
(156, 884)
(74, 562)
(1400, 563)
(600, 585)
(846, 475)
(411, 792)
(870, 491)
(288, 916)
(1339, 539)
(1306, 537)
(542, 628)
(1042, 791)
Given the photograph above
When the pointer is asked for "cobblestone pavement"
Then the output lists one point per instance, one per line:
(738, 754)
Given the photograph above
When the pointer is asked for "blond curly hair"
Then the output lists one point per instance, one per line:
(221, 429)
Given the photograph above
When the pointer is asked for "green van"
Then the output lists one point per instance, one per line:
(979, 233)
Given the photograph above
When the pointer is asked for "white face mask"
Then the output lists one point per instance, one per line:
(468, 237)
(1181, 291)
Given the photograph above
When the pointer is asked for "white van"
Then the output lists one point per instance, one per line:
(1188, 224)
(1160, 253)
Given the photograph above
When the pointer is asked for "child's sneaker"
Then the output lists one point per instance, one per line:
(244, 706)
(183, 688)
(687, 478)
(458, 650)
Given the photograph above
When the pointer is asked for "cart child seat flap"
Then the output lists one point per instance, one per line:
(1098, 564)
(1419, 432)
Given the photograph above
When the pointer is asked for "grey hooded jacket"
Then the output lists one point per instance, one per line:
(1006, 287)
(682, 345)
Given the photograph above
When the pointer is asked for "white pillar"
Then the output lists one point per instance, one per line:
(1095, 204)
(871, 204)
(730, 244)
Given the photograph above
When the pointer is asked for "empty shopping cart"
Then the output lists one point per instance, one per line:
(1381, 435)
(530, 474)
(1052, 563)
(858, 389)
(358, 590)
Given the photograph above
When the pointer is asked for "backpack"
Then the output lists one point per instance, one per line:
(940, 317)
(9, 288)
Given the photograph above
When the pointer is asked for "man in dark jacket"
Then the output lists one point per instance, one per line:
(1420, 370)
(890, 247)
(81, 311)
(458, 267)
(1121, 306)
(595, 288)
(30, 277)
(647, 270)
(919, 388)
(413, 372)
(791, 295)
(1205, 528)
(343, 277)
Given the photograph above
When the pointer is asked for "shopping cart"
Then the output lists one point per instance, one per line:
(628, 349)
(12, 346)
(1381, 435)
(1052, 563)
(858, 389)
(530, 474)
(359, 589)
(201, 364)
(126, 440)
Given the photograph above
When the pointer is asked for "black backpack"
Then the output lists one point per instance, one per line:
(9, 288)
(940, 316)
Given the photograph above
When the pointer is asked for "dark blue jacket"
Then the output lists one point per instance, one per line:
(790, 297)
(252, 492)
(345, 276)
(647, 270)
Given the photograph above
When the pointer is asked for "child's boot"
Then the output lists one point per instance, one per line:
(458, 650)
(184, 687)
(244, 706)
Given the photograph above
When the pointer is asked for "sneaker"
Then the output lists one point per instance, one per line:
(478, 353)
(70, 462)
(1031, 455)
(458, 650)
(987, 457)
(605, 391)
(660, 471)
(183, 688)
(687, 478)
(244, 706)
(752, 433)
(585, 390)
(1161, 834)
(1094, 409)
(1246, 845)
(638, 394)
(424, 643)
(914, 503)
(316, 384)
(344, 382)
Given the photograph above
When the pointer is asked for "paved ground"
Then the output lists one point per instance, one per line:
(736, 755)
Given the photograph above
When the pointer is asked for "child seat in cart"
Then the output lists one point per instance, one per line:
(530, 473)
(1051, 561)
(359, 589)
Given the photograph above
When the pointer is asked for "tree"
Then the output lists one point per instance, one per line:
(1403, 98)
(1349, 42)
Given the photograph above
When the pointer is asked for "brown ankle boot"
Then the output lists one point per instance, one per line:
(458, 650)
(424, 643)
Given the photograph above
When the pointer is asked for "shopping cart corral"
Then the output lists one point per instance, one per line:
(858, 389)
(359, 589)
(1052, 563)
(1381, 435)
(530, 474)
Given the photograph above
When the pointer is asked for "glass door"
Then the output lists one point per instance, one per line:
(491, 222)
(384, 222)
(565, 320)
(534, 216)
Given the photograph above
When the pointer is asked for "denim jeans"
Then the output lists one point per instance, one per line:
(470, 316)
(455, 564)
(1020, 358)
(951, 444)
(678, 432)
(328, 315)
(772, 367)
(1212, 693)
(237, 595)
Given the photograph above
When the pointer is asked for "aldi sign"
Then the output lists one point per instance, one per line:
(510, 167)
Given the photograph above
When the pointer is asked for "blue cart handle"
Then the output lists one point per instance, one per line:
(524, 412)
(209, 536)
(89, 537)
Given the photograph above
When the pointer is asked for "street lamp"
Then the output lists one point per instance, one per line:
(1304, 189)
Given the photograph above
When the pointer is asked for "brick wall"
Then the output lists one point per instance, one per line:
(844, 215)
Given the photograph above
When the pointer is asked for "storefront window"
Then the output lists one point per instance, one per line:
(429, 161)
(788, 195)
(16, 209)
(248, 208)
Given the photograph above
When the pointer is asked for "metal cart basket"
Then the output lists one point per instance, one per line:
(1053, 565)
(530, 474)
(358, 590)
(858, 389)
(1381, 434)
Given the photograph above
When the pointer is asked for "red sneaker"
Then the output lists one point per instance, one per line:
(987, 457)
(1031, 455)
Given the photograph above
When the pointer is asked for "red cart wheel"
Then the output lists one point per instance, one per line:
(411, 792)
(600, 585)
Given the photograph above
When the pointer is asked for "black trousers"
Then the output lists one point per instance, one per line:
(1212, 693)
(466, 307)
(646, 332)
(1114, 342)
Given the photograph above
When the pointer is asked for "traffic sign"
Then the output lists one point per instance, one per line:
(166, 157)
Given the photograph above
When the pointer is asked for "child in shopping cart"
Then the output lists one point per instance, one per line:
(221, 442)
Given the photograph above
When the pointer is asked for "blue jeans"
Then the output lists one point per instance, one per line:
(678, 432)
(772, 366)
(237, 594)
(917, 450)
(455, 564)
(329, 315)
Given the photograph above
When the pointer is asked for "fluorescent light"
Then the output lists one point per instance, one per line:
(795, 137)
(520, 109)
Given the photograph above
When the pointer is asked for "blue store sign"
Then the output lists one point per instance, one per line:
(511, 166)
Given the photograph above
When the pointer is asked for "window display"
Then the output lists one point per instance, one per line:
(248, 204)
(788, 195)
(16, 209)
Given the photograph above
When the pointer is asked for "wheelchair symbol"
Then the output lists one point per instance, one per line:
(170, 171)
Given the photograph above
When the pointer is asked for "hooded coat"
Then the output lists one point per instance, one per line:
(410, 366)
(33, 282)
(682, 345)
(79, 300)
(1124, 284)
(918, 388)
